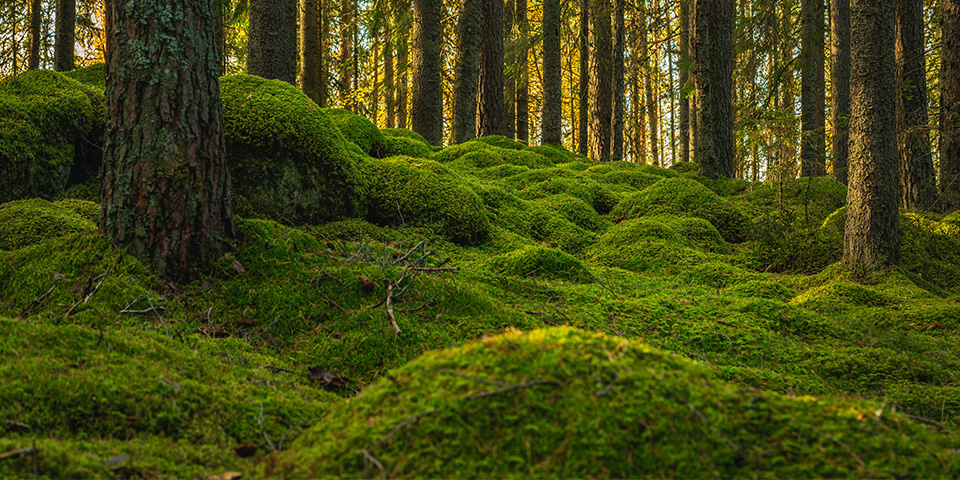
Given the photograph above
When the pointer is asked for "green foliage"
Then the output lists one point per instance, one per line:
(287, 160)
(28, 222)
(358, 130)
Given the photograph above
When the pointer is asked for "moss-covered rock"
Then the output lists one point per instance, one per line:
(502, 142)
(51, 129)
(404, 146)
(29, 222)
(408, 191)
(685, 167)
(563, 402)
(555, 153)
(358, 130)
(644, 244)
(94, 76)
(288, 161)
(540, 261)
(682, 196)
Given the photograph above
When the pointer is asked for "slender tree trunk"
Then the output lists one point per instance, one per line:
(33, 60)
(872, 234)
(918, 182)
(375, 107)
(311, 53)
(272, 40)
(510, 78)
(345, 60)
(648, 90)
(466, 78)
(490, 107)
(637, 147)
(165, 189)
(403, 73)
(840, 86)
(324, 54)
(619, 46)
(583, 120)
(388, 80)
(426, 106)
(66, 36)
(523, 78)
(692, 109)
(812, 90)
(713, 53)
(552, 80)
(14, 42)
(601, 80)
(950, 106)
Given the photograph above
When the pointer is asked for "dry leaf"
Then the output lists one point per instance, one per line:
(366, 283)
(246, 450)
(239, 267)
(328, 379)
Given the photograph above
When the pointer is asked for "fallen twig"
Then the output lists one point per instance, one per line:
(390, 315)
(932, 423)
(152, 309)
(86, 298)
(263, 430)
(410, 252)
(19, 453)
(35, 303)
(369, 459)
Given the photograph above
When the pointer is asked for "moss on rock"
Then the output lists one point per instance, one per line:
(540, 261)
(502, 142)
(404, 146)
(644, 244)
(556, 154)
(358, 130)
(288, 161)
(29, 222)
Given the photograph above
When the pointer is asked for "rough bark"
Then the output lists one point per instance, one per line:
(345, 57)
(872, 233)
(619, 46)
(389, 88)
(713, 55)
(508, 127)
(325, 59)
(601, 80)
(311, 52)
(840, 86)
(684, 73)
(66, 35)
(950, 106)
(33, 55)
(523, 73)
(490, 111)
(463, 125)
(165, 190)
(272, 40)
(692, 82)
(651, 104)
(812, 90)
(403, 74)
(551, 129)
(583, 118)
(918, 182)
(426, 94)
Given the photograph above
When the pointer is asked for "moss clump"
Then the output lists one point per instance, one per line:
(403, 132)
(563, 402)
(715, 275)
(685, 167)
(556, 154)
(810, 200)
(94, 76)
(542, 224)
(358, 130)
(540, 261)
(577, 211)
(407, 191)
(479, 154)
(29, 222)
(403, 146)
(682, 196)
(502, 142)
(50, 131)
(287, 159)
(701, 233)
(840, 295)
(644, 244)
(761, 289)
(548, 182)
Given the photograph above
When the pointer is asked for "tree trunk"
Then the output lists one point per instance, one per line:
(551, 130)
(324, 53)
(620, 45)
(523, 73)
(466, 76)
(345, 57)
(840, 86)
(692, 110)
(583, 109)
(918, 182)
(403, 72)
(426, 105)
(165, 189)
(66, 36)
(713, 54)
(33, 58)
(388, 80)
(812, 90)
(508, 127)
(950, 106)
(648, 90)
(601, 81)
(272, 40)
(311, 52)
(637, 143)
(872, 233)
(491, 106)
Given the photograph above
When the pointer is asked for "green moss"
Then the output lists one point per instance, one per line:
(563, 181)
(50, 131)
(454, 152)
(402, 191)
(701, 233)
(557, 155)
(762, 289)
(480, 154)
(725, 187)
(288, 161)
(94, 76)
(810, 200)
(559, 402)
(685, 167)
(403, 146)
(542, 224)
(403, 132)
(715, 275)
(681, 196)
(358, 130)
(841, 295)
(577, 212)
(540, 261)
(502, 142)
(29, 222)
(644, 244)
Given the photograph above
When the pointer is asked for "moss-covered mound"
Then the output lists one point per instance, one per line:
(358, 130)
(563, 402)
(644, 244)
(542, 222)
(51, 127)
(809, 200)
(682, 196)
(540, 261)
(287, 159)
(94, 76)
(28, 222)
(487, 152)
(403, 190)
(404, 146)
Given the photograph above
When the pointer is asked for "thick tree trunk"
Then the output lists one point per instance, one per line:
(637, 141)
(491, 106)
(692, 109)
(426, 103)
(583, 118)
(403, 73)
(840, 86)
(601, 80)
(388, 79)
(165, 189)
(523, 74)
(950, 106)
(713, 54)
(619, 46)
(345, 57)
(872, 234)
(66, 35)
(311, 53)
(508, 127)
(272, 40)
(812, 90)
(918, 182)
(651, 104)
(325, 60)
(551, 130)
(33, 57)
(466, 74)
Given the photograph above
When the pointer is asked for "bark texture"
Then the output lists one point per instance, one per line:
(510, 77)
(389, 88)
(950, 106)
(684, 44)
(872, 234)
(583, 116)
(403, 74)
(619, 46)
(601, 80)
(918, 182)
(311, 50)
(651, 104)
(551, 129)
(272, 40)
(840, 86)
(812, 90)
(33, 55)
(490, 112)
(523, 73)
(463, 126)
(426, 95)
(66, 35)
(713, 56)
(165, 190)
(345, 60)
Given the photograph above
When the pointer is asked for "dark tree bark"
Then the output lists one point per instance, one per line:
(165, 190)
(66, 36)
(426, 105)
(551, 130)
(345, 58)
(33, 56)
(684, 44)
(490, 106)
(466, 76)
(651, 103)
(713, 56)
(619, 46)
(950, 106)
(272, 40)
(388, 80)
(840, 86)
(403, 64)
(583, 119)
(918, 182)
(812, 90)
(510, 78)
(523, 73)
(694, 111)
(872, 233)
(601, 80)
(325, 60)
(311, 50)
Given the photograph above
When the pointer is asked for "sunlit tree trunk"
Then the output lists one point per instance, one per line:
(33, 58)
(426, 106)
(601, 80)
(66, 36)
(311, 53)
(403, 69)
(713, 56)
(463, 125)
(812, 90)
(345, 60)
(388, 79)
(583, 108)
(619, 46)
(551, 130)
(651, 103)
(950, 106)
(272, 40)
(840, 86)
(510, 78)
(490, 117)
(523, 74)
